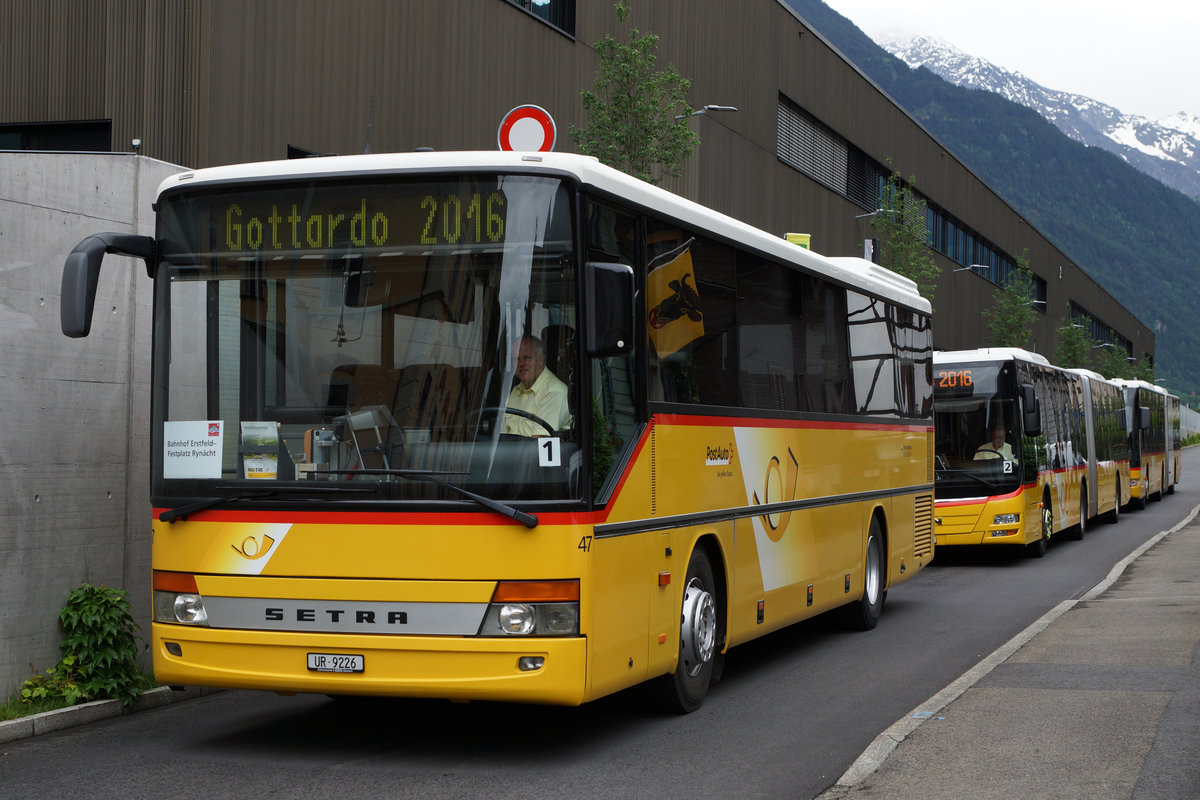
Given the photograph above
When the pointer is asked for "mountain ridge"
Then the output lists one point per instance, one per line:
(1166, 149)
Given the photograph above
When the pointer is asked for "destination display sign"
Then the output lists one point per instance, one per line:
(311, 218)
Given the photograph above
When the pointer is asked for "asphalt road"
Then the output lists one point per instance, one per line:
(792, 712)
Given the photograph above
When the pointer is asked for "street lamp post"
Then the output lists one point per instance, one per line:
(702, 111)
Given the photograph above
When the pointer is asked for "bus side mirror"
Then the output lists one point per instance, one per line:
(1144, 418)
(1122, 424)
(1032, 417)
(608, 291)
(81, 274)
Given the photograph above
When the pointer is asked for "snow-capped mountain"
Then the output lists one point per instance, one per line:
(1167, 149)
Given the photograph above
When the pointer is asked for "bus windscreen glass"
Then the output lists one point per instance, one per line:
(368, 336)
(977, 430)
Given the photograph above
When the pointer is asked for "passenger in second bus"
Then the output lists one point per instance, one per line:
(997, 447)
(538, 391)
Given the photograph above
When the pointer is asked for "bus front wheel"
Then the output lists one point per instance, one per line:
(683, 690)
(1038, 549)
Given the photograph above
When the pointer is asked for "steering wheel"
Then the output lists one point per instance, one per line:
(496, 411)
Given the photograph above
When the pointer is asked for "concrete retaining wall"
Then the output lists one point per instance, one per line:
(74, 453)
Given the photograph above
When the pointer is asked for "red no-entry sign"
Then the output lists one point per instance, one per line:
(527, 129)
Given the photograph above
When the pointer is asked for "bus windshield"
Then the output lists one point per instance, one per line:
(977, 432)
(395, 339)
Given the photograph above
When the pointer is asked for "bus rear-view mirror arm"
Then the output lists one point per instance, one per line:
(81, 274)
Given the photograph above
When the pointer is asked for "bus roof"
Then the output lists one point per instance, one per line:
(853, 272)
(1089, 373)
(1141, 384)
(988, 354)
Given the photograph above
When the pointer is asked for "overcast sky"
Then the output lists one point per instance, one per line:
(1142, 57)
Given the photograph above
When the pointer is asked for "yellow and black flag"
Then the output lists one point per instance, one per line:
(674, 318)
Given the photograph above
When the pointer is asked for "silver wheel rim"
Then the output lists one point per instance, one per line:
(873, 572)
(698, 627)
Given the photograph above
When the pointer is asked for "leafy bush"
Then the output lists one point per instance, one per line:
(99, 651)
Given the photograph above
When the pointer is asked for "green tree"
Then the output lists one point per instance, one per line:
(1010, 319)
(1074, 346)
(632, 112)
(1114, 362)
(1143, 369)
(902, 228)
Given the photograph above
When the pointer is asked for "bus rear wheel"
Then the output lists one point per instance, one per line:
(1077, 531)
(863, 614)
(683, 690)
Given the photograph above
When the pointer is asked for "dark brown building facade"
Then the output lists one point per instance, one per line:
(207, 82)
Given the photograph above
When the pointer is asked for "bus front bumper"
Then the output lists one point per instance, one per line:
(453, 668)
(1001, 521)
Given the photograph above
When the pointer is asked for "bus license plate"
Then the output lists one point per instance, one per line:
(334, 662)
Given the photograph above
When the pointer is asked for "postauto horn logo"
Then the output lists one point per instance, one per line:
(778, 488)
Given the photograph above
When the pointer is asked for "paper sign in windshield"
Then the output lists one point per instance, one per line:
(192, 449)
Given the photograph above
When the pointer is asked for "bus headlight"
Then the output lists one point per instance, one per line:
(531, 619)
(518, 619)
(1006, 519)
(177, 599)
(533, 608)
(179, 608)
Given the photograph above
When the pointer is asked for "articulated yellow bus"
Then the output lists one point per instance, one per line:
(1025, 450)
(1154, 440)
(509, 427)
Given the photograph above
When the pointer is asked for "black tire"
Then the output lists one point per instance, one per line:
(683, 690)
(1038, 549)
(863, 614)
(1076, 533)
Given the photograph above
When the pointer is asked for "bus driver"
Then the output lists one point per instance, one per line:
(538, 391)
(997, 447)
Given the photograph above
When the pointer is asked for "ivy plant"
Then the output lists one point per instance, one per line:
(99, 651)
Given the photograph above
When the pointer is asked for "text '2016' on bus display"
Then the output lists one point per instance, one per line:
(509, 427)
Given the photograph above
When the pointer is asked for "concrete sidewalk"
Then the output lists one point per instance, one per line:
(1100, 699)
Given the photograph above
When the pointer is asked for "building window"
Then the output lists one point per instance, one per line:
(559, 13)
(1098, 330)
(805, 144)
(87, 136)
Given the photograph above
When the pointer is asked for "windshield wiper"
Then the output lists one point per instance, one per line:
(528, 520)
(984, 482)
(184, 511)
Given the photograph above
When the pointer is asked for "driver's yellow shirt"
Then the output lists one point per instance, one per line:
(547, 399)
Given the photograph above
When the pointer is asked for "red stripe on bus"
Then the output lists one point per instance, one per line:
(682, 420)
(971, 501)
(384, 517)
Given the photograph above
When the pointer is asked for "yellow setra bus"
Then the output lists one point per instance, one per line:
(509, 427)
